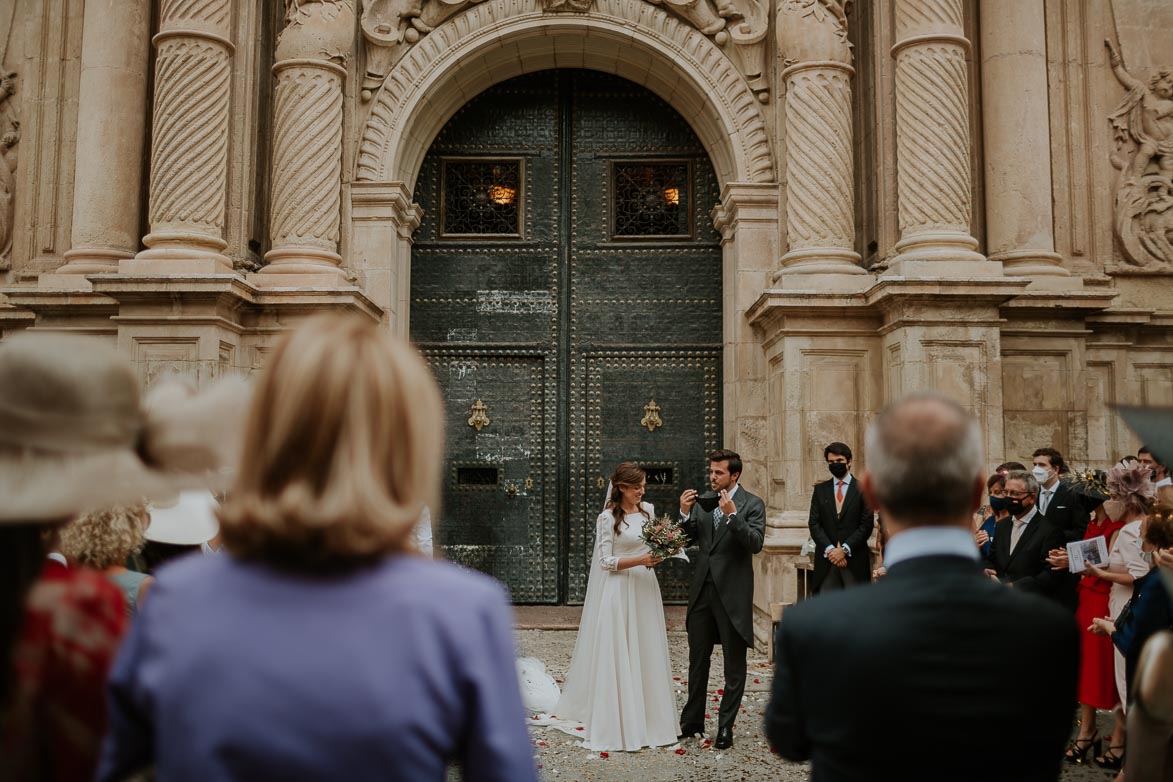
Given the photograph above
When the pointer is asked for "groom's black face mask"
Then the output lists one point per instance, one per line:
(838, 469)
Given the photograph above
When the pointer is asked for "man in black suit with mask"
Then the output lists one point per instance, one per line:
(720, 599)
(840, 523)
(940, 646)
(1023, 539)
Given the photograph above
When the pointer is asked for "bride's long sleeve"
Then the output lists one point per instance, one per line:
(605, 540)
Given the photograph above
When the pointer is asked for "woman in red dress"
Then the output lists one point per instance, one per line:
(1097, 682)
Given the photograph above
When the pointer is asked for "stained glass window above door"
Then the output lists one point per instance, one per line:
(651, 199)
(481, 197)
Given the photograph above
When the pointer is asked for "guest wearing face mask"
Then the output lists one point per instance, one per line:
(996, 488)
(1160, 471)
(1023, 538)
(1056, 500)
(840, 523)
(1133, 488)
(1151, 608)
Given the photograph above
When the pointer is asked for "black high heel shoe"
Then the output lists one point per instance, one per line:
(1081, 750)
(1111, 759)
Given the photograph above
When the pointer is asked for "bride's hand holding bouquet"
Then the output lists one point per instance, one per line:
(664, 538)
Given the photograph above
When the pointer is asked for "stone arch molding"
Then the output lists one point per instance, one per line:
(499, 39)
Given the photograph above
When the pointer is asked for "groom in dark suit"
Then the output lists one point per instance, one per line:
(935, 645)
(840, 523)
(720, 600)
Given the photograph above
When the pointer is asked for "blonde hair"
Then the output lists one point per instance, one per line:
(105, 538)
(342, 450)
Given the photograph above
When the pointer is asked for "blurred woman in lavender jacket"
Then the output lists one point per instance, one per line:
(323, 647)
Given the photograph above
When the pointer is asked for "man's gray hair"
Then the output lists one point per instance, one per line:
(1029, 482)
(924, 453)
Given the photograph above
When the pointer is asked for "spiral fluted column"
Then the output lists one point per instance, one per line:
(111, 118)
(820, 213)
(306, 195)
(933, 139)
(189, 137)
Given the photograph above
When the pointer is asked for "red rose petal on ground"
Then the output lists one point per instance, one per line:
(578, 728)
(675, 678)
(757, 681)
(604, 755)
(720, 692)
(708, 742)
(680, 752)
(708, 716)
(543, 744)
(772, 751)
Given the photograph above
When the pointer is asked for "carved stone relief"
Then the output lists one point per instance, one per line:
(9, 137)
(739, 27)
(1143, 129)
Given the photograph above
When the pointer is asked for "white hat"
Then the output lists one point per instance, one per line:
(189, 522)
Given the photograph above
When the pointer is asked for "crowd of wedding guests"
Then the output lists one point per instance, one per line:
(228, 585)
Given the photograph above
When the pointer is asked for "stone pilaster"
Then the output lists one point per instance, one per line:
(1019, 218)
(111, 121)
(307, 142)
(384, 222)
(933, 143)
(189, 140)
(820, 217)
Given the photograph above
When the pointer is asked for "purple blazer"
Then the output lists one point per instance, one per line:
(235, 671)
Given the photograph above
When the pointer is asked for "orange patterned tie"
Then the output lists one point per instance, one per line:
(839, 493)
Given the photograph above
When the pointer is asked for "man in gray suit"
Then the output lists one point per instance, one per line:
(720, 599)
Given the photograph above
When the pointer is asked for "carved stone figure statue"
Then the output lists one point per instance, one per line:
(1143, 129)
(9, 136)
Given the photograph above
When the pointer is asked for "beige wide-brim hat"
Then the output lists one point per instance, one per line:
(76, 434)
(189, 521)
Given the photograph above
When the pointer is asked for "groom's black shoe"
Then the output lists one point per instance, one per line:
(688, 731)
(724, 738)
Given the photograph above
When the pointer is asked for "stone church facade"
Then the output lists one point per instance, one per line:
(972, 196)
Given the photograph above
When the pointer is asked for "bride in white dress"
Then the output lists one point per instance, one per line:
(619, 685)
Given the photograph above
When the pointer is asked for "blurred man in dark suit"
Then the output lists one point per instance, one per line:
(935, 647)
(840, 523)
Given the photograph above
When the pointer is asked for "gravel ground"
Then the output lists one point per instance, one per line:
(750, 758)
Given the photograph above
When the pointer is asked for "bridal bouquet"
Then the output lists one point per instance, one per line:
(664, 537)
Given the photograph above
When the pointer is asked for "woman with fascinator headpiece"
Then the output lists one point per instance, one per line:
(619, 685)
(1132, 491)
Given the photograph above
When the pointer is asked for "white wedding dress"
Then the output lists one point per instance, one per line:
(619, 685)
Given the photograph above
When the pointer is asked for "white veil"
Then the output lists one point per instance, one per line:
(575, 696)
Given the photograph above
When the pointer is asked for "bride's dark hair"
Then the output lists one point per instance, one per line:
(626, 474)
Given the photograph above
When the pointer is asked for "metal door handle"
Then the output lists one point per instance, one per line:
(511, 490)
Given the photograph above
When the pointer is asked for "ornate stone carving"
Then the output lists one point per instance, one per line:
(1143, 130)
(724, 86)
(932, 132)
(577, 6)
(392, 27)
(820, 217)
(307, 137)
(189, 153)
(9, 137)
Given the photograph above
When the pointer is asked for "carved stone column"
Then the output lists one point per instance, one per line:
(306, 194)
(820, 216)
(1019, 219)
(933, 142)
(189, 139)
(111, 120)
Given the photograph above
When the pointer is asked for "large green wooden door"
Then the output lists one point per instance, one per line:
(566, 286)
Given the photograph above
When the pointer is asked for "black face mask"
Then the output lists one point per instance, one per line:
(1015, 505)
(998, 504)
(838, 469)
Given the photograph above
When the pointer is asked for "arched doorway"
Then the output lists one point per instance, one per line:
(566, 285)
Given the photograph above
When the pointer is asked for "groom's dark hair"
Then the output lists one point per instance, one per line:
(725, 455)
